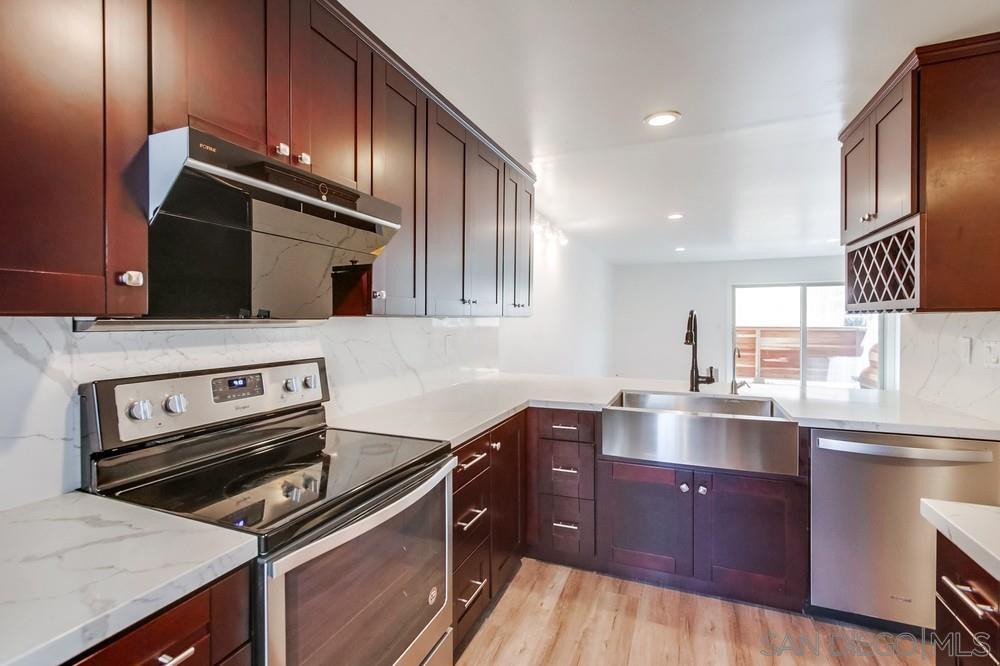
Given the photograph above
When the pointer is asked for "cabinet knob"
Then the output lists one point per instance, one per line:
(474, 301)
(376, 295)
(282, 149)
(702, 490)
(130, 278)
(304, 158)
(684, 487)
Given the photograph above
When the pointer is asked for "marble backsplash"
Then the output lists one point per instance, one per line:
(933, 363)
(370, 361)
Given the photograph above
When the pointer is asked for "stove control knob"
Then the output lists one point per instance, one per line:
(292, 384)
(176, 404)
(140, 410)
(291, 491)
(309, 381)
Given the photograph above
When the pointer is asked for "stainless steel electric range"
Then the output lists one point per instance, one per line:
(353, 528)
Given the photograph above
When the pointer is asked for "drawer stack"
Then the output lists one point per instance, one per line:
(471, 534)
(564, 443)
(967, 610)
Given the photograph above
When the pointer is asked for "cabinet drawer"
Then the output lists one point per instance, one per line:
(566, 424)
(472, 591)
(242, 657)
(566, 469)
(566, 528)
(969, 592)
(470, 510)
(473, 458)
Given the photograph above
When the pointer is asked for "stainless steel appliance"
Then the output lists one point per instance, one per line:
(238, 239)
(872, 553)
(353, 528)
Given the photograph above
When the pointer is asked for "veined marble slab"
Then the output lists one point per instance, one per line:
(77, 569)
(459, 412)
(974, 528)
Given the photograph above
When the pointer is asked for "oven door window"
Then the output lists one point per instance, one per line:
(366, 601)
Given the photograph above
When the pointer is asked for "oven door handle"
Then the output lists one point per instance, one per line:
(300, 556)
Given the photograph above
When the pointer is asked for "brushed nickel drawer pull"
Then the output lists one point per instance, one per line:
(963, 592)
(565, 470)
(471, 461)
(467, 525)
(565, 526)
(167, 660)
(556, 426)
(480, 584)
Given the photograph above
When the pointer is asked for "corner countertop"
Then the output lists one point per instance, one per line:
(974, 528)
(460, 412)
(79, 568)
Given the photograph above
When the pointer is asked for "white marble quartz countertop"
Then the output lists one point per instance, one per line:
(78, 568)
(974, 528)
(460, 412)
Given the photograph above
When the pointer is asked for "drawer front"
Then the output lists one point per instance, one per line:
(472, 591)
(566, 528)
(470, 511)
(473, 458)
(242, 657)
(566, 424)
(969, 592)
(954, 645)
(566, 469)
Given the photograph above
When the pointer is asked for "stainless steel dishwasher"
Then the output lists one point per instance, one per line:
(872, 553)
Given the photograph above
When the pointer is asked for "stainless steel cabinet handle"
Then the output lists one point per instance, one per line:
(684, 487)
(565, 470)
(702, 490)
(471, 461)
(563, 427)
(282, 149)
(130, 278)
(304, 158)
(963, 592)
(908, 452)
(480, 584)
(565, 526)
(467, 525)
(183, 656)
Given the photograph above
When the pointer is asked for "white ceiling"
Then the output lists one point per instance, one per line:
(764, 86)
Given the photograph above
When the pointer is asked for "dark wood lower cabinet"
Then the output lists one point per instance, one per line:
(212, 624)
(964, 636)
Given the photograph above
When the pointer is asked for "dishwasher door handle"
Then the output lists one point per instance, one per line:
(907, 452)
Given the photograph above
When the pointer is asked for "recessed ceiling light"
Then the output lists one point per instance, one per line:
(680, 249)
(675, 216)
(661, 118)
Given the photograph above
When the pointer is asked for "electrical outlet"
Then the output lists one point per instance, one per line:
(965, 350)
(992, 353)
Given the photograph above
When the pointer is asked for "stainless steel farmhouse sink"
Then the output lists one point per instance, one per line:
(738, 433)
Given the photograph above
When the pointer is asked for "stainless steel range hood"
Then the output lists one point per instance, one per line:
(239, 240)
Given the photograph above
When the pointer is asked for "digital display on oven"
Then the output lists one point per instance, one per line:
(238, 382)
(239, 387)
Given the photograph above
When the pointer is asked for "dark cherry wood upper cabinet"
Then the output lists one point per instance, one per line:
(483, 232)
(222, 66)
(751, 537)
(450, 150)
(507, 502)
(644, 519)
(518, 240)
(57, 213)
(399, 154)
(855, 183)
(331, 97)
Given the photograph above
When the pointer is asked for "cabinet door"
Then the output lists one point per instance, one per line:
(331, 93)
(855, 184)
(750, 536)
(51, 133)
(218, 65)
(895, 163)
(399, 145)
(644, 518)
(507, 443)
(449, 152)
(483, 232)
(518, 212)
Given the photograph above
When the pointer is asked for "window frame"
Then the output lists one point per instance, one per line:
(888, 332)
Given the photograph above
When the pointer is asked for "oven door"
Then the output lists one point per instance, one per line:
(375, 591)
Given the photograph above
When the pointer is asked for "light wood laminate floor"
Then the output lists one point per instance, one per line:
(552, 615)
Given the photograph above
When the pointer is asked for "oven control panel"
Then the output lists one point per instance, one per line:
(150, 408)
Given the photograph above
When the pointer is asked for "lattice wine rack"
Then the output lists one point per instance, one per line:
(882, 272)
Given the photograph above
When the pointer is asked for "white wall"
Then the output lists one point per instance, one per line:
(569, 332)
(651, 304)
